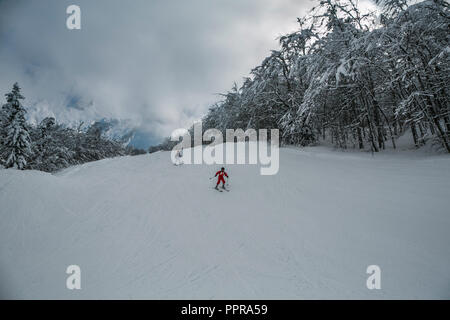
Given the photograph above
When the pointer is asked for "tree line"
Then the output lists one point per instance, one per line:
(358, 80)
(49, 146)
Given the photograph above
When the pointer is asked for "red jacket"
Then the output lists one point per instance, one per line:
(221, 174)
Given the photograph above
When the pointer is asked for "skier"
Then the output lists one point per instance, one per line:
(221, 173)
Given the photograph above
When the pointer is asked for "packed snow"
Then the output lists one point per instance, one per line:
(140, 227)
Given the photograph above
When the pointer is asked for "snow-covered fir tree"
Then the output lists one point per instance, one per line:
(16, 143)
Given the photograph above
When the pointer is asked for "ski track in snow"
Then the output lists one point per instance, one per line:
(140, 227)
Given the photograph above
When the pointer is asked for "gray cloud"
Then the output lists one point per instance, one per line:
(156, 63)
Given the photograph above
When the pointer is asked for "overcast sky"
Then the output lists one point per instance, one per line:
(156, 63)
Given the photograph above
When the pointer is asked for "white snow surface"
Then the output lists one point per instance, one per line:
(141, 228)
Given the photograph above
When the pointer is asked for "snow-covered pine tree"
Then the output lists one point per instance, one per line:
(16, 143)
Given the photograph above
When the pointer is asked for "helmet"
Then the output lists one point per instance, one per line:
(222, 169)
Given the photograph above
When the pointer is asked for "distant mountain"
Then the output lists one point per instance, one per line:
(119, 130)
(124, 130)
(127, 133)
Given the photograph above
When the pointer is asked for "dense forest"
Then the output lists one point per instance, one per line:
(49, 146)
(357, 80)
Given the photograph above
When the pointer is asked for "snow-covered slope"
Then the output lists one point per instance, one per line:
(140, 227)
